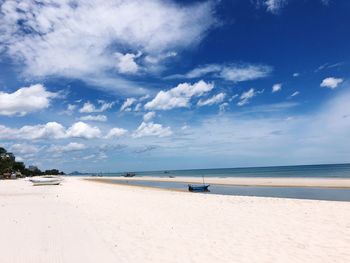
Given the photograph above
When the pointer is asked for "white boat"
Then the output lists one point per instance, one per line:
(46, 180)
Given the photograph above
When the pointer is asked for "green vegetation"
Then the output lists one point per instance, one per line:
(9, 165)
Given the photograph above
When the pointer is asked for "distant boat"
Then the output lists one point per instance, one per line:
(199, 188)
(46, 180)
(129, 175)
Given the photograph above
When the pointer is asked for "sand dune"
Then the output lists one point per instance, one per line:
(82, 221)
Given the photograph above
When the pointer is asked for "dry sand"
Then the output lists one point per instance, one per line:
(83, 221)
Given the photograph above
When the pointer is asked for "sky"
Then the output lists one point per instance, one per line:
(114, 85)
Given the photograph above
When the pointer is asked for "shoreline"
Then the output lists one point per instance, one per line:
(338, 183)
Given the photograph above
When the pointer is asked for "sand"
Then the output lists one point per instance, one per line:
(245, 181)
(84, 221)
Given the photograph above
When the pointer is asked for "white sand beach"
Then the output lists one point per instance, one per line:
(84, 221)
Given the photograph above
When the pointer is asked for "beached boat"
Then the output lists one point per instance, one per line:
(129, 175)
(198, 188)
(46, 180)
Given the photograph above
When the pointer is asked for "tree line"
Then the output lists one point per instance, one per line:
(8, 164)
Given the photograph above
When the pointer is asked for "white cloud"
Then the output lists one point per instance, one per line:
(70, 109)
(23, 148)
(213, 100)
(149, 116)
(244, 72)
(88, 107)
(152, 129)
(80, 37)
(52, 130)
(275, 6)
(233, 97)
(296, 74)
(230, 72)
(71, 147)
(116, 132)
(331, 82)
(82, 130)
(276, 87)
(246, 97)
(127, 103)
(101, 118)
(126, 63)
(138, 107)
(203, 70)
(25, 100)
(223, 107)
(178, 97)
(296, 93)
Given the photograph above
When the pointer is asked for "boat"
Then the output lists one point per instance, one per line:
(129, 175)
(46, 180)
(198, 188)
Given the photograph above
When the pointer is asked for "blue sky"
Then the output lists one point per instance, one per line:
(150, 85)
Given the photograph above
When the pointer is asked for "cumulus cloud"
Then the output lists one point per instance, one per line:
(79, 39)
(331, 82)
(178, 97)
(82, 130)
(50, 130)
(23, 148)
(149, 116)
(25, 100)
(276, 87)
(152, 129)
(127, 103)
(116, 132)
(88, 107)
(246, 97)
(101, 118)
(213, 100)
(126, 63)
(70, 147)
(231, 72)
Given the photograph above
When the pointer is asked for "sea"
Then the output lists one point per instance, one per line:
(292, 171)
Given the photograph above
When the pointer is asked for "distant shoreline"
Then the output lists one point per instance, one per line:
(244, 181)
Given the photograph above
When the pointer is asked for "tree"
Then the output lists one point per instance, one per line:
(8, 164)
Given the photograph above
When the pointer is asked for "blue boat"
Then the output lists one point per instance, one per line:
(198, 188)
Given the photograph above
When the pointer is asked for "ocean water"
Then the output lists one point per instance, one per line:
(312, 193)
(313, 171)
